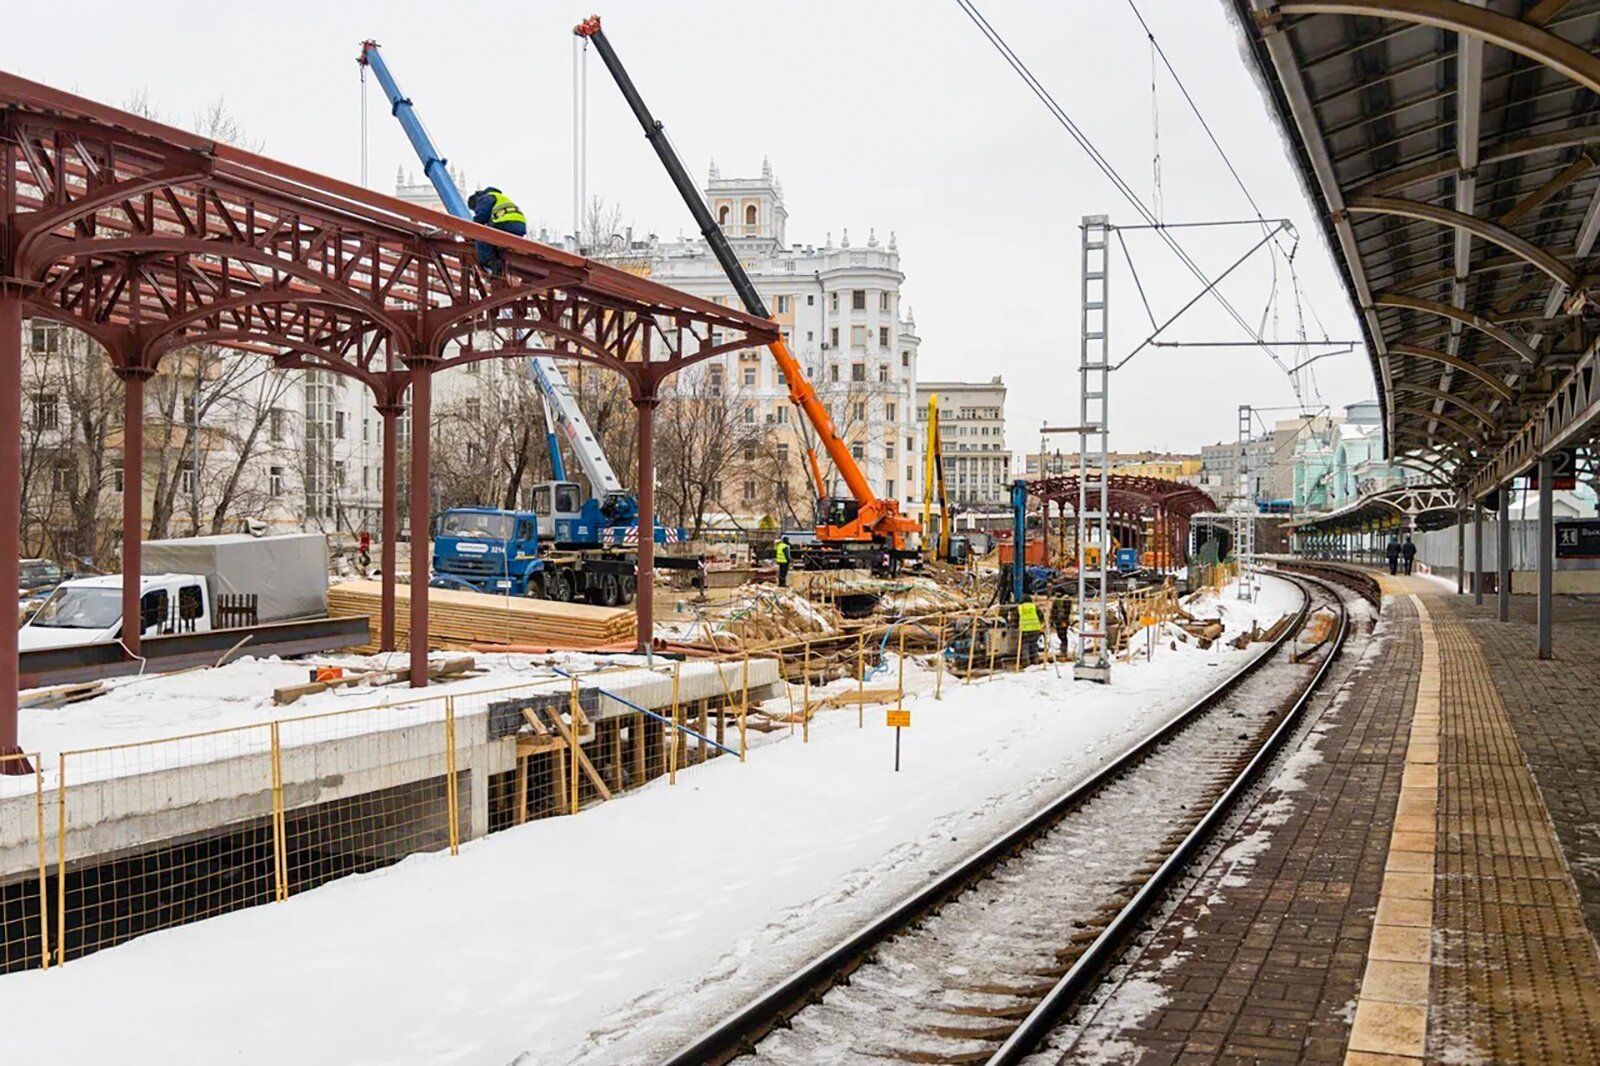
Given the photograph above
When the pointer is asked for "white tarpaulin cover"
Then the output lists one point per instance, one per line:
(288, 573)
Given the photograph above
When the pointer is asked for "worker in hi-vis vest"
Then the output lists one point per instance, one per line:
(781, 553)
(1030, 626)
(491, 207)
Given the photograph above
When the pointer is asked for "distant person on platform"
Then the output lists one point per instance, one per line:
(781, 553)
(1394, 556)
(1409, 552)
(491, 207)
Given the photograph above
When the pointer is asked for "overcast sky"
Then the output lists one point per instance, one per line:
(887, 116)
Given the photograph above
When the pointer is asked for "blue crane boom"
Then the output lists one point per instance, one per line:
(616, 503)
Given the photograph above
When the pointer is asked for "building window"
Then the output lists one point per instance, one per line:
(858, 453)
(783, 304)
(474, 366)
(750, 214)
(722, 215)
(366, 428)
(783, 380)
(888, 449)
(366, 478)
(858, 336)
(116, 475)
(46, 411)
(883, 300)
(338, 425)
(833, 372)
(905, 358)
(883, 336)
(714, 379)
(858, 299)
(909, 477)
(911, 445)
(811, 299)
(883, 374)
(339, 473)
(858, 411)
(833, 336)
(275, 425)
(64, 476)
(810, 336)
(749, 413)
(858, 371)
(43, 337)
(889, 411)
(275, 481)
(888, 487)
(750, 486)
(783, 449)
(783, 417)
(474, 408)
(749, 453)
(833, 301)
(186, 477)
(749, 376)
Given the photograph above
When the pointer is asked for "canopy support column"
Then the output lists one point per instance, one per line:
(645, 578)
(133, 379)
(10, 514)
(390, 520)
(1547, 561)
(421, 455)
(1503, 555)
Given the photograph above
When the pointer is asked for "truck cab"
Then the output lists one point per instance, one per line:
(89, 610)
(486, 550)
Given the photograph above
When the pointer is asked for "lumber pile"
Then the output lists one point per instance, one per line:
(770, 615)
(465, 619)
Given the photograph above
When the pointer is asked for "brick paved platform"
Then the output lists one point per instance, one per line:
(1420, 883)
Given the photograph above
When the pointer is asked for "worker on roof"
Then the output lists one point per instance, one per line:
(781, 553)
(491, 207)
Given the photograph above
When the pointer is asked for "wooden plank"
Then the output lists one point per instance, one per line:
(463, 618)
(636, 747)
(583, 760)
(519, 808)
(558, 790)
(614, 770)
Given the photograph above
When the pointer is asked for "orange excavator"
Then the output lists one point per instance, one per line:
(848, 528)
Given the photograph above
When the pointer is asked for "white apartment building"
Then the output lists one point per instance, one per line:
(839, 307)
(972, 428)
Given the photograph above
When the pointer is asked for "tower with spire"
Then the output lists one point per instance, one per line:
(748, 208)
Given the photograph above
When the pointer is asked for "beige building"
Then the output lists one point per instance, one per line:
(972, 427)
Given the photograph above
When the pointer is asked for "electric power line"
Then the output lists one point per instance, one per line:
(1110, 172)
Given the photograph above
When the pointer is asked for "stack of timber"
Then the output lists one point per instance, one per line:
(465, 619)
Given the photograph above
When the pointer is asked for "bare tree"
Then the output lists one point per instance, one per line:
(701, 434)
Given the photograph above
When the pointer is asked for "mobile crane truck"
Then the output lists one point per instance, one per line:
(567, 546)
(861, 529)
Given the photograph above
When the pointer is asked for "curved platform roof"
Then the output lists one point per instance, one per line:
(1453, 150)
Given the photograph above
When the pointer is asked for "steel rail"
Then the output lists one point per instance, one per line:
(1088, 967)
(739, 1033)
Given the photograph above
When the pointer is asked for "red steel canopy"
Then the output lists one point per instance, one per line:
(149, 238)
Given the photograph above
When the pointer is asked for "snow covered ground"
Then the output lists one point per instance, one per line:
(612, 936)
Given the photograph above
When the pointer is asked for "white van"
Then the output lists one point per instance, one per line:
(88, 610)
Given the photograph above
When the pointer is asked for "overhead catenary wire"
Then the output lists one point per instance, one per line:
(1105, 167)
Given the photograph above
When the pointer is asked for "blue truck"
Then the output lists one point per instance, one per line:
(483, 549)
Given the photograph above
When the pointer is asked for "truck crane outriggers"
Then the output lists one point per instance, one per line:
(847, 527)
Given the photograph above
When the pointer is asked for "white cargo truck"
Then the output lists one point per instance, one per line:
(282, 578)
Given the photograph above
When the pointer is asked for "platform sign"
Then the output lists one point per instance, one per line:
(897, 719)
(1564, 471)
(1578, 539)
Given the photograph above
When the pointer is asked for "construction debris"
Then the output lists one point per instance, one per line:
(328, 679)
(458, 620)
(769, 615)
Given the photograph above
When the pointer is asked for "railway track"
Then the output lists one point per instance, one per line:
(980, 964)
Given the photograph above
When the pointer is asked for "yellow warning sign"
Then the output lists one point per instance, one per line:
(899, 720)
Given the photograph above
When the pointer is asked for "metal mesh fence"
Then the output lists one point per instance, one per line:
(24, 880)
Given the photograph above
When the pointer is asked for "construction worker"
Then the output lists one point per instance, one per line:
(1393, 553)
(491, 207)
(781, 553)
(1409, 553)
(1030, 627)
